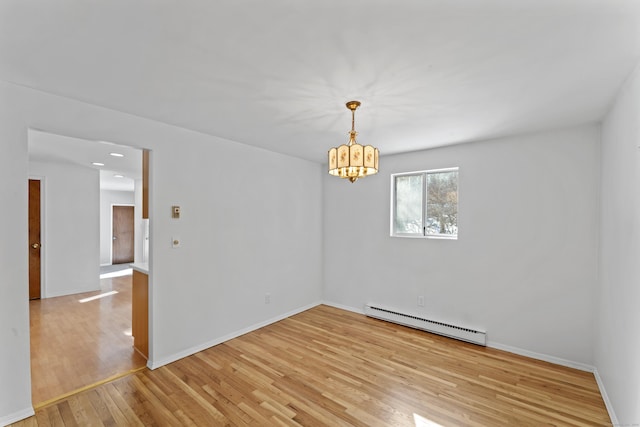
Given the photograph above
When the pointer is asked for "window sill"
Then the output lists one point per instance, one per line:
(428, 236)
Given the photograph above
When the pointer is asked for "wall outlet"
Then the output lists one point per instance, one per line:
(267, 298)
(420, 301)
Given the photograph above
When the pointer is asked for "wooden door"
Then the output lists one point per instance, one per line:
(34, 239)
(123, 241)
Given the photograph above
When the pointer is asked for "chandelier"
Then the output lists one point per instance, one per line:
(353, 161)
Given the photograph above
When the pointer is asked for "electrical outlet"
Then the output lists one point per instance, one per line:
(267, 298)
(420, 301)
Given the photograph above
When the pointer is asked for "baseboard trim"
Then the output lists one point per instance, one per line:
(16, 416)
(541, 356)
(605, 397)
(344, 307)
(154, 364)
(504, 347)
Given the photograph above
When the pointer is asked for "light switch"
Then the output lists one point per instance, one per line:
(175, 242)
(175, 212)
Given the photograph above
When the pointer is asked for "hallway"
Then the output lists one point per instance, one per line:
(77, 340)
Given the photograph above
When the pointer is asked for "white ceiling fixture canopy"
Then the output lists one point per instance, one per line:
(431, 72)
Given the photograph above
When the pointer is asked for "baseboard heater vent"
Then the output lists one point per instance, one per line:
(451, 331)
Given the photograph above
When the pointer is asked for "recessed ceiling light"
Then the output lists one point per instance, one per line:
(118, 176)
(116, 154)
(97, 164)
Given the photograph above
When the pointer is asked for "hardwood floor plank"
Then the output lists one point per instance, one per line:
(162, 408)
(66, 413)
(207, 413)
(130, 417)
(83, 411)
(100, 393)
(330, 367)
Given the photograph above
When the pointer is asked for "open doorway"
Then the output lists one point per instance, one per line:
(81, 326)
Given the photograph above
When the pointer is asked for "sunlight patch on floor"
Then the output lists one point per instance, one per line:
(119, 273)
(106, 294)
(423, 422)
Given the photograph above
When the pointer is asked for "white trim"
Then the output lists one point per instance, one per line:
(427, 236)
(541, 356)
(605, 397)
(17, 416)
(507, 348)
(344, 307)
(453, 168)
(154, 364)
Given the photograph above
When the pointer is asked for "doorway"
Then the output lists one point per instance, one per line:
(123, 241)
(78, 339)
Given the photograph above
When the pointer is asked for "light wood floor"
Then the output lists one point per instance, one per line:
(75, 344)
(329, 367)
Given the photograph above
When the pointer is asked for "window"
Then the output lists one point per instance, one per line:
(425, 204)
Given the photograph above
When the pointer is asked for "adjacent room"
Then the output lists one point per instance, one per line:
(86, 232)
(418, 213)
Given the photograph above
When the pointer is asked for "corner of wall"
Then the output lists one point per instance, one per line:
(605, 397)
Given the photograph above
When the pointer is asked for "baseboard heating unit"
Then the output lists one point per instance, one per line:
(451, 331)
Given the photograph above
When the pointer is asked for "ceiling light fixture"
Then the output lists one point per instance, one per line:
(97, 164)
(116, 154)
(353, 161)
(118, 176)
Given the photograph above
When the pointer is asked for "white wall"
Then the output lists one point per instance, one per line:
(70, 222)
(15, 387)
(107, 199)
(141, 253)
(251, 224)
(617, 351)
(524, 267)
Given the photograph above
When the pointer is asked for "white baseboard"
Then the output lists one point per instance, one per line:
(344, 307)
(154, 364)
(541, 356)
(498, 346)
(16, 416)
(605, 397)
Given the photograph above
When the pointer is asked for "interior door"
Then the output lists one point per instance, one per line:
(34, 239)
(123, 240)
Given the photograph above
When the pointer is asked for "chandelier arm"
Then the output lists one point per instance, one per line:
(353, 120)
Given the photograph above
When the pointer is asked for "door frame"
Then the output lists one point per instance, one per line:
(111, 229)
(43, 233)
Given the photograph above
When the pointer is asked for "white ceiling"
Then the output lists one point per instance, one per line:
(48, 147)
(276, 74)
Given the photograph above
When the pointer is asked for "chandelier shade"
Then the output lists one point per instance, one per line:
(352, 160)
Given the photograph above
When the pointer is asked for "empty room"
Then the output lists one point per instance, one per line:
(409, 213)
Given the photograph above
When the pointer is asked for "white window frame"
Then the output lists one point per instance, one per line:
(424, 174)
